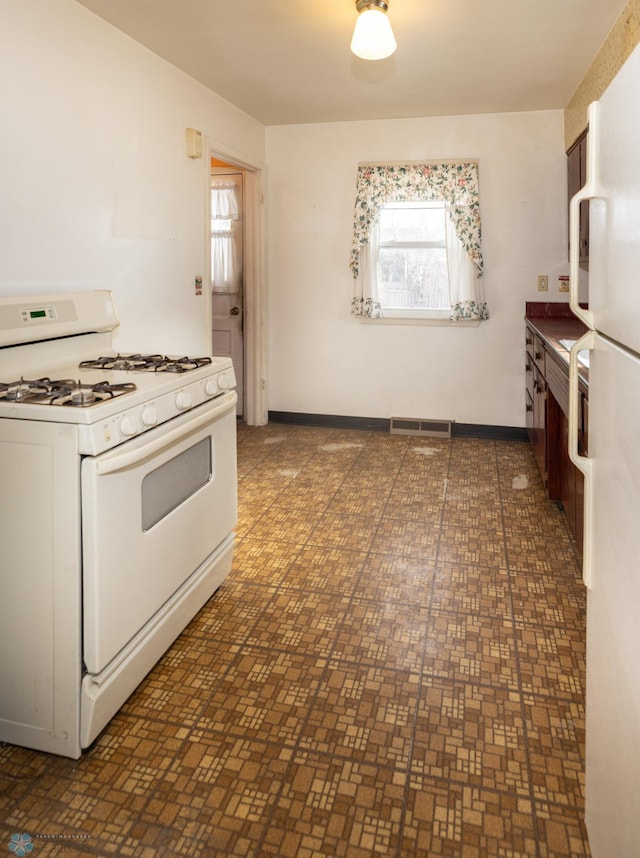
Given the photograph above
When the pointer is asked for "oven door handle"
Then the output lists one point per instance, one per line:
(116, 461)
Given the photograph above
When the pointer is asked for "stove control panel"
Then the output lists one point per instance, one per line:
(29, 320)
(132, 421)
(32, 314)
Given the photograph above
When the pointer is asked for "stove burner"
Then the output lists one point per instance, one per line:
(45, 391)
(146, 363)
(183, 364)
(19, 391)
(131, 363)
(82, 396)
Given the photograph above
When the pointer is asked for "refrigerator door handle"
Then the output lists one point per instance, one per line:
(588, 191)
(583, 463)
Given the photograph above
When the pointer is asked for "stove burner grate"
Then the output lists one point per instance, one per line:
(146, 363)
(21, 390)
(46, 391)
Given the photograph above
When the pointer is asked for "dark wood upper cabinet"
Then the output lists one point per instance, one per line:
(576, 178)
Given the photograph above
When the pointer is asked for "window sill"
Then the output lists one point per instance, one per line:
(395, 318)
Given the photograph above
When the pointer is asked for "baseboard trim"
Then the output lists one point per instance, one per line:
(491, 433)
(381, 424)
(332, 421)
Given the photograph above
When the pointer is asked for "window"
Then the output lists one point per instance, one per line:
(411, 264)
(226, 235)
(416, 249)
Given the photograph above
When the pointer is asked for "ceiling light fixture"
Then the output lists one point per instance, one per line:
(373, 37)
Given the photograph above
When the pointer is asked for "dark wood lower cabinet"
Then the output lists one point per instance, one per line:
(547, 402)
(565, 483)
(539, 434)
(558, 461)
(579, 529)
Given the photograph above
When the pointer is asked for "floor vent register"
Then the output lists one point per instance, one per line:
(421, 428)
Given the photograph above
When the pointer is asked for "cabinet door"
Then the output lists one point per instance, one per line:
(540, 424)
(529, 416)
(583, 436)
(573, 171)
(529, 395)
(565, 481)
(567, 474)
(576, 177)
(584, 206)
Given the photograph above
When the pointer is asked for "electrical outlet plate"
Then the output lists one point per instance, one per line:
(543, 283)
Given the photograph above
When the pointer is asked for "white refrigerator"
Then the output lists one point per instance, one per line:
(612, 470)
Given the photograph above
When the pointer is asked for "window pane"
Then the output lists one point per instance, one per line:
(221, 226)
(406, 222)
(414, 278)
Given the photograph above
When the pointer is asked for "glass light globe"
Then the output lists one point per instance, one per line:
(373, 37)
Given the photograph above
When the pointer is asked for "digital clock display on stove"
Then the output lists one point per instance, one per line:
(33, 314)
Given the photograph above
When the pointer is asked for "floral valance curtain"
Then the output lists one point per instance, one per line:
(225, 268)
(456, 185)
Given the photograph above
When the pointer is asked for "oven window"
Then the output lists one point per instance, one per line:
(170, 485)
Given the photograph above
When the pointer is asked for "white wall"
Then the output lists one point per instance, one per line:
(321, 360)
(96, 190)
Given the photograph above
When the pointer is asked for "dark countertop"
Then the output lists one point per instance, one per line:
(555, 322)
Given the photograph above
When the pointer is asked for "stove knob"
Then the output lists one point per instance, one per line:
(149, 416)
(224, 382)
(211, 387)
(128, 426)
(183, 400)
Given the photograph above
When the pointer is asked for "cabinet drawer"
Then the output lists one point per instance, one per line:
(539, 354)
(528, 374)
(529, 416)
(529, 337)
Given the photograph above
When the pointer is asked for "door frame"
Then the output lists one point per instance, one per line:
(254, 279)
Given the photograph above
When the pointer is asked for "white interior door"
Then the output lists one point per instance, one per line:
(227, 270)
(227, 335)
(251, 363)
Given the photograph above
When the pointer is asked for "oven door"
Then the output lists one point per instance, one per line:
(153, 510)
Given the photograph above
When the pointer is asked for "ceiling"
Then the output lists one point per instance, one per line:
(288, 61)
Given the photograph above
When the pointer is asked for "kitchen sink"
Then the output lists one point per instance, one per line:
(583, 356)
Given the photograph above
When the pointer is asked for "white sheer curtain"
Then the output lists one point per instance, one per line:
(226, 271)
(364, 303)
(466, 292)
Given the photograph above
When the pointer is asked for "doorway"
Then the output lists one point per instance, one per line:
(235, 262)
(227, 265)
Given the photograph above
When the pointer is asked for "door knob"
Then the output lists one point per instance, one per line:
(234, 311)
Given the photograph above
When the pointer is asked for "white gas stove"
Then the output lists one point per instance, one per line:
(53, 370)
(118, 508)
